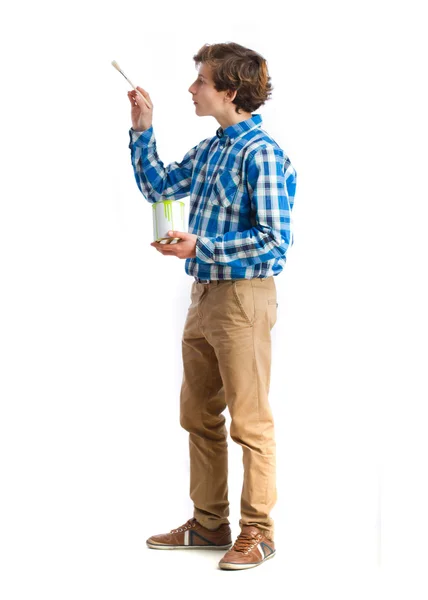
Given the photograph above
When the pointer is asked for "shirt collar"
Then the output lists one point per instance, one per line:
(233, 131)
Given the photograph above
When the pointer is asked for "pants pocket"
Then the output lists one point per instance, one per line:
(244, 299)
(273, 311)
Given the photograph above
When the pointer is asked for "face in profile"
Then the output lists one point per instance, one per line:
(208, 101)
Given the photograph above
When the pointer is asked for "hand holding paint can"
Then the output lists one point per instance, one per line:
(167, 215)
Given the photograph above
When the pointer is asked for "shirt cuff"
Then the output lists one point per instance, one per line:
(205, 249)
(141, 139)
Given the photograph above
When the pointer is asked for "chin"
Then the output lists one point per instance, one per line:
(200, 112)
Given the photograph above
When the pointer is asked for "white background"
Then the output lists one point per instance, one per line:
(93, 459)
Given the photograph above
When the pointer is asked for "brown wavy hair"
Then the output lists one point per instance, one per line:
(235, 67)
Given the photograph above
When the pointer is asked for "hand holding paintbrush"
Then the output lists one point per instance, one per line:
(142, 108)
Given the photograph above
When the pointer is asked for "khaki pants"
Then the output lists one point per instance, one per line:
(226, 349)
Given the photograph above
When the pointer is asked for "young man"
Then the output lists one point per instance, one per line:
(241, 186)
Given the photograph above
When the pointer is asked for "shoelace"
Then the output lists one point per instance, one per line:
(245, 542)
(187, 525)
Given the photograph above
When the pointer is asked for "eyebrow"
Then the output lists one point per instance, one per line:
(203, 76)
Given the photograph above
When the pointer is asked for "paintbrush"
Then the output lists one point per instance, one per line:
(116, 66)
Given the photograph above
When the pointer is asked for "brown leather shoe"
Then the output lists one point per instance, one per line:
(192, 535)
(251, 549)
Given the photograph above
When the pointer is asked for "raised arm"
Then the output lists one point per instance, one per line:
(155, 181)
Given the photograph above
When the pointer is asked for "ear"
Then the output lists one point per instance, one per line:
(230, 95)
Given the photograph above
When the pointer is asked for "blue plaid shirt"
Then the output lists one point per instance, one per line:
(241, 186)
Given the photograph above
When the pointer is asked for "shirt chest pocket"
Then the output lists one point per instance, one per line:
(225, 188)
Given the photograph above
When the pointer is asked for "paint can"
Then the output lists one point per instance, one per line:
(167, 215)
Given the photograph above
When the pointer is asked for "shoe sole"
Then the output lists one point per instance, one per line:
(170, 547)
(238, 566)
